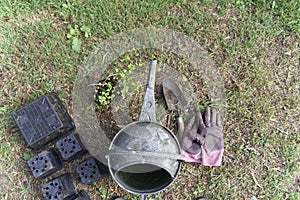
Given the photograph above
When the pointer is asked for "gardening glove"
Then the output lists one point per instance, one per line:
(202, 140)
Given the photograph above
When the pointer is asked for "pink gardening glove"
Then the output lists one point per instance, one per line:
(202, 141)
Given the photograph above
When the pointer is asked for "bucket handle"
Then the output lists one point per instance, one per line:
(172, 156)
(148, 108)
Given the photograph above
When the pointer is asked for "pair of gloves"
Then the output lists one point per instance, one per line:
(202, 139)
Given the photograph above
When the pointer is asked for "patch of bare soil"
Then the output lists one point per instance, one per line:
(5, 183)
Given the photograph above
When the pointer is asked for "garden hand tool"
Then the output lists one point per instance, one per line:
(202, 140)
(175, 101)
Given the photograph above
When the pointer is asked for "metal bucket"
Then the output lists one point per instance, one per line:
(144, 157)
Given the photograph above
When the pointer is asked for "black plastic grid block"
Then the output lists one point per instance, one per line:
(70, 147)
(81, 195)
(59, 188)
(43, 120)
(90, 171)
(45, 163)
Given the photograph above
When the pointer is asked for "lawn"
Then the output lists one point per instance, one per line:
(255, 46)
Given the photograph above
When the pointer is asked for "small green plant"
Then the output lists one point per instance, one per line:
(75, 33)
(105, 87)
(104, 91)
(26, 156)
(102, 191)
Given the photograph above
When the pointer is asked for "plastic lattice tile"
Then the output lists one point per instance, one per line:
(70, 147)
(45, 163)
(90, 171)
(59, 188)
(43, 120)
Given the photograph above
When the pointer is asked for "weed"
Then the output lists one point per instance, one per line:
(26, 156)
(102, 191)
(74, 34)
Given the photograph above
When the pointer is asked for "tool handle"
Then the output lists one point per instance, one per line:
(180, 128)
(148, 108)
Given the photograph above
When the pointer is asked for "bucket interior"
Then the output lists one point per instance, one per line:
(143, 178)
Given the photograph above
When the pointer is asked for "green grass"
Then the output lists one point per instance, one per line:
(255, 44)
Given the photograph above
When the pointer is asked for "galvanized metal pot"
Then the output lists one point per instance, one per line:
(145, 157)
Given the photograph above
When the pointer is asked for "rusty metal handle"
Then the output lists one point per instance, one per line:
(148, 107)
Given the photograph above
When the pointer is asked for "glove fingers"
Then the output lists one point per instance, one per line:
(200, 120)
(190, 123)
(196, 123)
(213, 119)
(207, 117)
(219, 121)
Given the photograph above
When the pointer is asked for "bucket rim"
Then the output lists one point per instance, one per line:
(173, 178)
